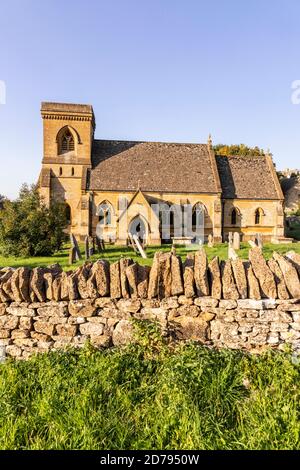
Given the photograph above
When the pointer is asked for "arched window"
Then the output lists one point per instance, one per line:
(258, 216)
(233, 216)
(66, 140)
(198, 215)
(60, 171)
(104, 213)
(72, 171)
(68, 214)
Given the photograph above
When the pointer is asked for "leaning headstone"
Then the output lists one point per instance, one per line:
(139, 246)
(72, 255)
(236, 241)
(210, 241)
(86, 247)
(75, 245)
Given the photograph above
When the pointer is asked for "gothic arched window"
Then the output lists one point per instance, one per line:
(198, 215)
(68, 214)
(105, 213)
(258, 216)
(67, 140)
(234, 216)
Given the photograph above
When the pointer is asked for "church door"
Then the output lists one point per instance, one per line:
(137, 227)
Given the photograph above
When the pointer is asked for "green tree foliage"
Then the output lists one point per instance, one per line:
(2, 199)
(240, 149)
(29, 228)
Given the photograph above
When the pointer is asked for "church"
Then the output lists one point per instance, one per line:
(116, 189)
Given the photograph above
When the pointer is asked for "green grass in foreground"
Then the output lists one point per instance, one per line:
(150, 397)
(113, 253)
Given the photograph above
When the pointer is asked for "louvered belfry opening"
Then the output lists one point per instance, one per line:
(67, 143)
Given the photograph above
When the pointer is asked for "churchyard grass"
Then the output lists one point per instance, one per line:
(113, 253)
(151, 396)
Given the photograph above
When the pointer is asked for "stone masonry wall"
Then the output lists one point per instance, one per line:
(234, 304)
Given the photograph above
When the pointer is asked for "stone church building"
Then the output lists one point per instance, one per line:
(109, 184)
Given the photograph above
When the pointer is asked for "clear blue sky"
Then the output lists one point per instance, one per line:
(169, 70)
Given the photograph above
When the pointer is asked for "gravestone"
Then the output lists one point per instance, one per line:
(210, 241)
(139, 246)
(132, 243)
(91, 246)
(99, 244)
(86, 248)
(72, 255)
(236, 241)
(74, 245)
(230, 238)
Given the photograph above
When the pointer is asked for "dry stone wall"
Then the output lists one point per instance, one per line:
(235, 304)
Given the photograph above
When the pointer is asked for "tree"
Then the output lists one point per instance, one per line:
(29, 228)
(2, 199)
(240, 149)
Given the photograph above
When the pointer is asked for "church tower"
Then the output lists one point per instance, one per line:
(67, 159)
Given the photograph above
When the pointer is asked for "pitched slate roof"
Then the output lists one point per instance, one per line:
(248, 177)
(153, 166)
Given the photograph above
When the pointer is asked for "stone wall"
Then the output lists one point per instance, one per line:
(236, 304)
(250, 325)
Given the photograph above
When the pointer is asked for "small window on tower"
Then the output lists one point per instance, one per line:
(73, 171)
(60, 171)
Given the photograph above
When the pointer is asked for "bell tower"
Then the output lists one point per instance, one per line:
(68, 133)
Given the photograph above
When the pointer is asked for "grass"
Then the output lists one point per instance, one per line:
(113, 253)
(149, 396)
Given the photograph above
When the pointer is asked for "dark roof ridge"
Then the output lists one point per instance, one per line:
(249, 155)
(149, 142)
